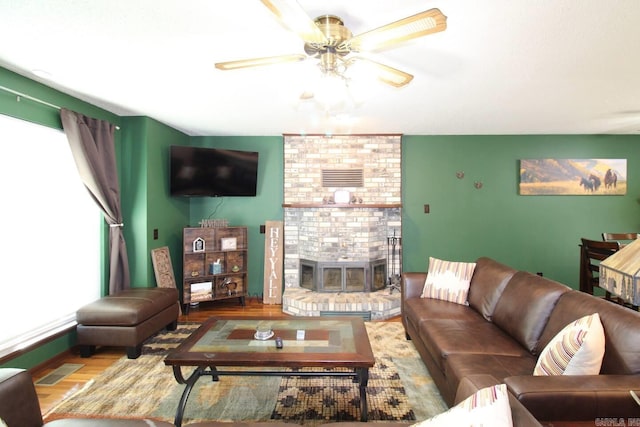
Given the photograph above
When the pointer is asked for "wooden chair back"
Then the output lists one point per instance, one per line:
(619, 237)
(592, 252)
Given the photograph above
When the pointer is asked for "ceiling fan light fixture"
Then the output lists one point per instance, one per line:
(330, 94)
(330, 43)
(332, 91)
(331, 63)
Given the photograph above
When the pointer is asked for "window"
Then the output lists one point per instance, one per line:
(50, 230)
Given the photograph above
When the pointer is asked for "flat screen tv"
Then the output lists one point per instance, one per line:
(199, 171)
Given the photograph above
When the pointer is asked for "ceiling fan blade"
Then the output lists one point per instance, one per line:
(423, 23)
(258, 62)
(295, 19)
(384, 73)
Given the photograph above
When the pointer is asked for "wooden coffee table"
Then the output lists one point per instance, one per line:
(308, 342)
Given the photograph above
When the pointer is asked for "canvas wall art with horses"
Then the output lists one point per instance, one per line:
(573, 177)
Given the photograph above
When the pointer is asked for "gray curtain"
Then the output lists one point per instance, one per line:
(92, 144)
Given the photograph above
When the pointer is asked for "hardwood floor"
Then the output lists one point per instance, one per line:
(50, 396)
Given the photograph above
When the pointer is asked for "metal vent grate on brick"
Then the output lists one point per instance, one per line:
(366, 315)
(342, 178)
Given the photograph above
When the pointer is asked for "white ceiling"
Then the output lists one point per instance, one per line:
(501, 66)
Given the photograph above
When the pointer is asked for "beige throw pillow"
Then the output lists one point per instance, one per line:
(448, 280)
(487, 407)
(577, 349)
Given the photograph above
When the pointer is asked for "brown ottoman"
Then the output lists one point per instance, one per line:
(126, 319)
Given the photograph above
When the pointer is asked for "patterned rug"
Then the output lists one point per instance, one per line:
(399, 389)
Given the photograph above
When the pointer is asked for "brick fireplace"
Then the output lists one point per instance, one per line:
(342, 200)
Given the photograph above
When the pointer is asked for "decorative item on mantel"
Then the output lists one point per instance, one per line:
(342, 198)
(209, 223)
(620, 273)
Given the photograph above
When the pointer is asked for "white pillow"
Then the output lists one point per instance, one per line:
(577, 349)
(487, 407)
(448, 280)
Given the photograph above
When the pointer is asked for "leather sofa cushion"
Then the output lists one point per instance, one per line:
(459, 366)
(487, 284)
(127, 308)
(525, 306)
(418, 308)
(445, 337)
(621, 330)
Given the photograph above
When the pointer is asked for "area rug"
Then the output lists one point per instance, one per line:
(399, 389)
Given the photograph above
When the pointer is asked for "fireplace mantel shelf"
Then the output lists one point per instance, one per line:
(342, 205)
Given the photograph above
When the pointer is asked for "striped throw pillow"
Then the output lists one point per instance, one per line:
(487, 407)
(577, 349)
(448, 280)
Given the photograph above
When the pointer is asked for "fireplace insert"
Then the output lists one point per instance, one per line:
(343, 276)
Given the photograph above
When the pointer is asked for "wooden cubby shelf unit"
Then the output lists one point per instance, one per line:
(214, 264)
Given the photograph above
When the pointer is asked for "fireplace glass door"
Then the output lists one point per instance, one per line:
(331, 279)
(354, 280)
(343, 277)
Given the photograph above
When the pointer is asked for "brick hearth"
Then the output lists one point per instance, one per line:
(303, 302)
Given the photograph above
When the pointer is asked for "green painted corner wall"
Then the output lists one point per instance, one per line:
(147, 205)
(133, 193)
(533, 233)
(166, 214)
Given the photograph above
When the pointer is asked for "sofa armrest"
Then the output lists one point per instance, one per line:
(576, 397)
(19, 405)
(411, 284)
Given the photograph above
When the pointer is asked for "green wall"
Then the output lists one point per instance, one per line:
(145, 196)
(533, 233)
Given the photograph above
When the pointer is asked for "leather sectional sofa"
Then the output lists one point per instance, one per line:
(512, 315)
(19, 407)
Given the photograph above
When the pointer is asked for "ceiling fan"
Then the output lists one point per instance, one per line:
(331, 43)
